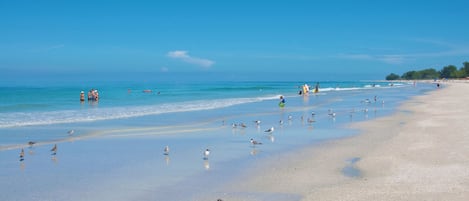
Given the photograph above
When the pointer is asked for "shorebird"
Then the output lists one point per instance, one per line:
(22, 154)
(311, 120)
(290, 117)
(280, 122)
(206, 153)
(54, 149)
(254, 143)
(270, 130)
(70, 132)
(258, 122)
(31, 143)
(243, 125)
(233, 125)
(330, 113)
(166, 150)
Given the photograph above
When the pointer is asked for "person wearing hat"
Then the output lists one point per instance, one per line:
(82, 96)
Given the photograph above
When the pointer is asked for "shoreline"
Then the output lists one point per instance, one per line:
(409, 155)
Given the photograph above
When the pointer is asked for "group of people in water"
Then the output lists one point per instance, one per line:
(305, 89)
(93, 95)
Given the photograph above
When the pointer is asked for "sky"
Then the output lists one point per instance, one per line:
(240, 39)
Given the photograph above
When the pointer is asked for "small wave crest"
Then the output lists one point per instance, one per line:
(18, 119)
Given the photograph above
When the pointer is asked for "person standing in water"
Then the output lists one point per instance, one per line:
(82, 96)
(282, 102)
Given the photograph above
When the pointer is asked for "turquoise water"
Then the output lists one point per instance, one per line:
(48, 105)
(116, 150)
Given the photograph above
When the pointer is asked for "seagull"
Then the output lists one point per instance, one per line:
(31, 143)
(270, 130)
(332, 114)
(70, 132)
(312, 114)
(233, 125)
(290, 117)
(243, 125)
(166, 150)
(206, 153)
(280, 122)
(254, 143)
(258, 122)
(22, 154)
(54, 149)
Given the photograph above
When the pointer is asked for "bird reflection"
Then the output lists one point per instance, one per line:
(54, 159)
(206, 164)
(167, 159)
(271, 138)
(22, 166)
(254, 151)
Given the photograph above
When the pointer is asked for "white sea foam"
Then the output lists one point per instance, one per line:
(16, 119)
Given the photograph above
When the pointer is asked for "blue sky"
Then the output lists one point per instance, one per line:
(313, 39)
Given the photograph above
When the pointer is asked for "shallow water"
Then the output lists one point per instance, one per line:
(116, 151)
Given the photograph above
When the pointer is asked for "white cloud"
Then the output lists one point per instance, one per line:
(184, 56)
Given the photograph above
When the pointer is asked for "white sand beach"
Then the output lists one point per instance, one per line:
(419, 153)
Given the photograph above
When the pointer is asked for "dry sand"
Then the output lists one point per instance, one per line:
(419, 153)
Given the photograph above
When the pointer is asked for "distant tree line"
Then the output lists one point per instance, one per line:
(450, 71)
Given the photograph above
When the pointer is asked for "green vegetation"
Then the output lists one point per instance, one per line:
(449, 71)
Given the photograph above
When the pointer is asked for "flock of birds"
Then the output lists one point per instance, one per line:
(32, 143)
(310, 120)
(206, 152)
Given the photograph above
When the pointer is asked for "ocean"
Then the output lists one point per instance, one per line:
(119, 139)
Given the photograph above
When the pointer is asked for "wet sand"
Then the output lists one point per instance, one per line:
(419, 153)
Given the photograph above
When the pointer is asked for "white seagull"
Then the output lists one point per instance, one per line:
(166, 150)
(70, 132)
(258, 122)
(270, 130)
(206, 153)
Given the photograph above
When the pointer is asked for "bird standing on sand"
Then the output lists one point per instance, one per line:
(270, 130)
(206, 153)
(54, 149)
(166, 150)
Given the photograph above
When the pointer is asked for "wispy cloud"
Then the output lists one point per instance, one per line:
(440, 49)
(184, 56)
(390, 59)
